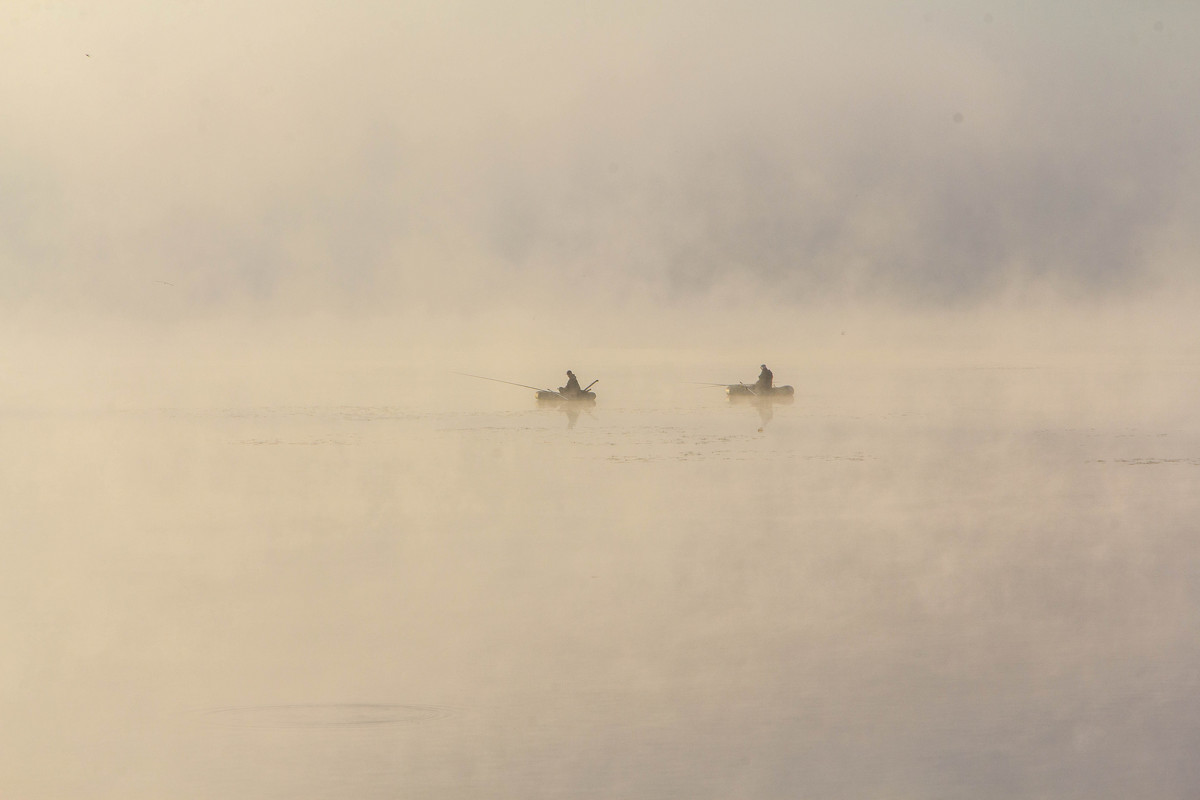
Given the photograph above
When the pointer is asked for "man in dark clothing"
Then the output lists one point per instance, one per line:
(572, 388)
(765, 379)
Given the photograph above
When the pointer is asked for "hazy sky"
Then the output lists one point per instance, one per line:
(205, 157)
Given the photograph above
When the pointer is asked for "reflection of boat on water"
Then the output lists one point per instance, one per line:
(571, 409)
(748, 393)
(545, 397)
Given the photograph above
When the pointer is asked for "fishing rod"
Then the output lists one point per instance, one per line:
(510, 383)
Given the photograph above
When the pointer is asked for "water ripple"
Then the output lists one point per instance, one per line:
(337, 715)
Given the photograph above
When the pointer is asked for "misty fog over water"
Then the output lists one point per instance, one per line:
(261, 537)
(978, 586)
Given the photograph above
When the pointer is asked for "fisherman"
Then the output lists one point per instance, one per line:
(572, 388)
(765, 379)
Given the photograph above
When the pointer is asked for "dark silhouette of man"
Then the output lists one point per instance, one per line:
(765, 379)
(572, 388)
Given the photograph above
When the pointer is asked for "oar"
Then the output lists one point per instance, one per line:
(748, 388)
(510, 383)
(593, 383)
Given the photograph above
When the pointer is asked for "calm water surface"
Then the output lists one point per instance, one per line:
(945, 584)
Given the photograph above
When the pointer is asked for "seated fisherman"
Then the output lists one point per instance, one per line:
(765, 379)
(572, 388)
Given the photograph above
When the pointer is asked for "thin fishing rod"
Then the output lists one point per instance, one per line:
(510, 383)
